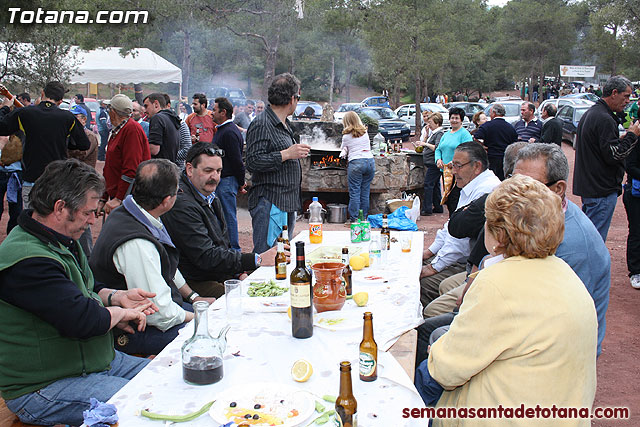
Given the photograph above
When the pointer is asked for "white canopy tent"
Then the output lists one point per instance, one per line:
(140, 65)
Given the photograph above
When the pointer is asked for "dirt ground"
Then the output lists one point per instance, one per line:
(618, 377)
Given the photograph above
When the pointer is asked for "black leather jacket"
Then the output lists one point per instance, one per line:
(199, 231)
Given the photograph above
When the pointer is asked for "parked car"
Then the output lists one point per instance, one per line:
(303, 105)
(512, 110)
(92, 103)
(234, 95)
(586, 95)
(376, 101)
(407, 113)
(344, 108)
(560, 102)
(570, 116)
(389, 124)
(470, 108)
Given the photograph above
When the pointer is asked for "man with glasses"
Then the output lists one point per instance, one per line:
(199, 230)
(127, 148)
(273, 158)
(134, 251)
(447, 255)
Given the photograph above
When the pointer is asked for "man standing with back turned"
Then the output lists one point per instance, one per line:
(600, 153)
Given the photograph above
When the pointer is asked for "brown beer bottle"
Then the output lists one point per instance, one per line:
(346, 405)
(347, 273)
(384, 231)
(301, 297)
(281, 262)
(368, 351)
(285, 237)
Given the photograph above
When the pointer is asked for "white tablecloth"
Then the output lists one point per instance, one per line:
(261, 348)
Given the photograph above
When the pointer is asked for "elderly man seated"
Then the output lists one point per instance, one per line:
(134, 251)
(447, 255)
(56, 342)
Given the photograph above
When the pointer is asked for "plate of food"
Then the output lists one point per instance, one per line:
(263, 404)
(340, 320)
(330, 254)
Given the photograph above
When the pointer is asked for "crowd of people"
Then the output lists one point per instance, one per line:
(515, 285)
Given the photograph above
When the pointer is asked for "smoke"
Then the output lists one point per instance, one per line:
(318, 139)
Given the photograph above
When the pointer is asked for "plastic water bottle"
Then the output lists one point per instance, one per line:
(379, 145)
(315, 221)
(375, 255)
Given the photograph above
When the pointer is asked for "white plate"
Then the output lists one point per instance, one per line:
(340, 320)
(268, 394)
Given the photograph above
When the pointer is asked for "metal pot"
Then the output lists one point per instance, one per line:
(337, 213)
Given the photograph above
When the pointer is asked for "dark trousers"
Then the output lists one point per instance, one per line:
(432, 193)
(14, 208)
(495, 164)
(632, 206)
(425, 330)
(102, 149)
(452, 200)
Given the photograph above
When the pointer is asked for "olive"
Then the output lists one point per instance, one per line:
(233, 404)
(257, 406)
(256, 416)
(247, 416)
(282, 401)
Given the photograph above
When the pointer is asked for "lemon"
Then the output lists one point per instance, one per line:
(301, 370)
(357, 262)
(419, 149)
(367, 260)
(289, 312)
(361, 298)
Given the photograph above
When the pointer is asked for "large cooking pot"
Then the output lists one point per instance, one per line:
(337, 213)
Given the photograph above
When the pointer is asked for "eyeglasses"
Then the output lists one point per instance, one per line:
(456, 165)
(297, 97)
(214, 151)
(550, 184)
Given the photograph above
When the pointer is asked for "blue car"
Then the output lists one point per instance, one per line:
(376, 101)
(392, 127)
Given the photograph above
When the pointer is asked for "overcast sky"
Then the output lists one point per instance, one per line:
(497, 2)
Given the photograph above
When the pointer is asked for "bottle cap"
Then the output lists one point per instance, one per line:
(314, 199)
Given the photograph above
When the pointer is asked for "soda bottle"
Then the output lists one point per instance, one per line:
(346, 404)
(368, 351)
(315, 221)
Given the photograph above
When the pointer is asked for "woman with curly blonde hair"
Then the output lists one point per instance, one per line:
(361, 168)
(527, 328)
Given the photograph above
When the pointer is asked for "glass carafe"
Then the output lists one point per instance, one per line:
(202, 353)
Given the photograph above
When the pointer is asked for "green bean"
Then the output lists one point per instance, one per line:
(265, 289)
(177, 418)
(319, 407)
(329, 398)
(322, 419)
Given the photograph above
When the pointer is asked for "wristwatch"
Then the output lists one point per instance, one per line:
(192, 296)
(258, 260)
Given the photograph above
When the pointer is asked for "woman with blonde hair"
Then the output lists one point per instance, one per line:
(356, 147)
(526, 332)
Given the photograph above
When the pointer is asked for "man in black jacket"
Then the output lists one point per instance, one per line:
(496, 134)
(164, 138)
(551, 126)
(600, 153)
(49, 131)
(198, 228)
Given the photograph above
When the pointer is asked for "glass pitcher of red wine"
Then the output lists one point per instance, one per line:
(202, 353)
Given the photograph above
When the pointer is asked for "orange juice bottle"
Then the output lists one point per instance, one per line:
(315, 221)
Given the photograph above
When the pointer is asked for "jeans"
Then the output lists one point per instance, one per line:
(63, 401)
(26, 191)
(600, 211)
(432, 193)
(632, 206)
(260, 223)
(102, 149)
(426, 329)
(14, 208)
(227, 191)
(360, 173)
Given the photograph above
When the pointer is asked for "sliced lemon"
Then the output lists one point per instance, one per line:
(289, 312)
(301, 370)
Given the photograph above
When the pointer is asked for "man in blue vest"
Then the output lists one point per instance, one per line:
(56, 342)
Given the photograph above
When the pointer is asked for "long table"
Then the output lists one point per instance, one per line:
(261, 349)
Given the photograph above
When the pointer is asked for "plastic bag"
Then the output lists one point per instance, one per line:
(413, 213)
(397, 220)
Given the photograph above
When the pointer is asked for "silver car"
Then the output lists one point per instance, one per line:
(407, 113)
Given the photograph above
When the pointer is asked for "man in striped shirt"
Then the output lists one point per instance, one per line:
(528, 128)
(273, 158)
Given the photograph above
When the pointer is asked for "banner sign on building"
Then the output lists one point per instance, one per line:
(577, 71)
